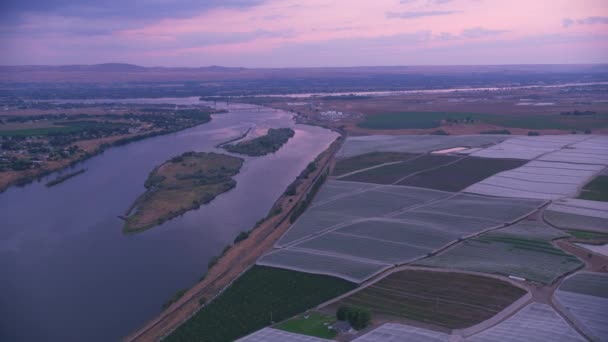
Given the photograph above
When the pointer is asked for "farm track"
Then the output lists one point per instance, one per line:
(236, 261)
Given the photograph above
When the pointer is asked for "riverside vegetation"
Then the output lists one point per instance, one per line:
(269, 143)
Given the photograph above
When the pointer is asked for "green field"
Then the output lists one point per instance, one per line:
(450, 300)
(62, 127)
(258, 297)
(596, 190)
(316, 324)
(366, 160)
(591, 238)
(405, 120)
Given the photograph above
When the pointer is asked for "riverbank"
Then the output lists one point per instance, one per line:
(236, 259)
(183, 183)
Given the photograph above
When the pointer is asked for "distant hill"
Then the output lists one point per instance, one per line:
(122, 72)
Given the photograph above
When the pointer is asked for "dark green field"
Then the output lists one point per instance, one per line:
(366, 160)
(596, 190)
(247, 305)
(450, 300)
(459, 175)
(404, 120)
(390, 174)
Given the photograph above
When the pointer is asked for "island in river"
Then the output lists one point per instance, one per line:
(269, 143)
(181, 184)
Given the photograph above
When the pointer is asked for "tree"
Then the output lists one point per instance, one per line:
(342, 313)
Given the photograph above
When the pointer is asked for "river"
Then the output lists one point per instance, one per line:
(69, 273)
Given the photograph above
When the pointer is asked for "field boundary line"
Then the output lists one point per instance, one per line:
(429, 169)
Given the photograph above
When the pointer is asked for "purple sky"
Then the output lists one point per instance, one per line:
(259, 33)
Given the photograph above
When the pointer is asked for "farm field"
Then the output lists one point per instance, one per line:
(276, 335)
(535, 322)
(522, 250)
(367, 160)
(312, 324)
(359, 145)
(282, 292)
(578, 215)
(461, 174)
(181, 184)
(559, 166)
(393, 173)
(449, 300)
(399, 332)
(584, 296)
(421, 120)
(596, 190)
(363, 232)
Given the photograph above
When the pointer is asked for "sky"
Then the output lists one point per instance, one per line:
(285, 33)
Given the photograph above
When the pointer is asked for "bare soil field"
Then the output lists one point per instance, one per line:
(449, 300)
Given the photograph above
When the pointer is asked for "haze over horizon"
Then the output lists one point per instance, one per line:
(271, 33)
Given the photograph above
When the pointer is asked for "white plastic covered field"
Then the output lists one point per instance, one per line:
(578, 214)
(559, 166)
(275, 335)
(392, 332)
(534, 323)
(356, 232)
(584, 296)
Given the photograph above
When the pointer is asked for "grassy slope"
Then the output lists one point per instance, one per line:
(248, 303)
(182, 184)
(596, 190)
(315, 325)
(268, 143)
(449, 300)
(432, 120)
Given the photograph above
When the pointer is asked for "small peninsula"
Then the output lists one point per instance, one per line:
(269, 143)
(181, 184)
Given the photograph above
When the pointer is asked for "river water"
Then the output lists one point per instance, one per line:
(69, 273)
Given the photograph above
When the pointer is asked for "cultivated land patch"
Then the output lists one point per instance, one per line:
(405, 120)
(461, 174)
(362, 231)
(367, 160)
(535, 322)
(183, 183)
(257, 297)
(523, 250)
(559, 166)
(584, 297)
(449, 300)
(578, 214)
(416, 144)
(596, 190)
(393, 173)
(389, 332)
